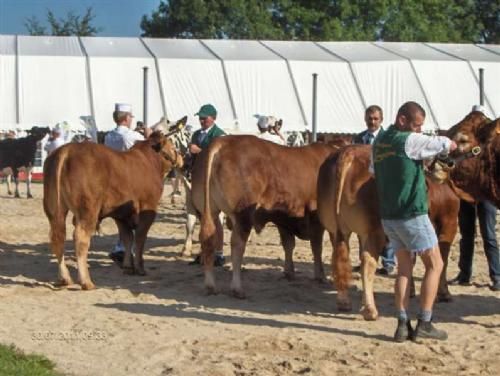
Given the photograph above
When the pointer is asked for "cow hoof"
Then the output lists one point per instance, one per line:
(344, 306)
(210, 290)
(445, 298)
(63, 282)
(17, 195)
(88, 286)
(140, 272)
(369, 313)
(29, 196)
(289, 276)
(129, 270)
(239, 294)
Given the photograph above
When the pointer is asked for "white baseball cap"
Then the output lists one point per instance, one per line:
(123, 107)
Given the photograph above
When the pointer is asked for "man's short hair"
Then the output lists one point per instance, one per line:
(374, 108)
(120, 116)
(410, 109)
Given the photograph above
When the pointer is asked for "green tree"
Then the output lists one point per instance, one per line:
(72, 24)
(488, 13)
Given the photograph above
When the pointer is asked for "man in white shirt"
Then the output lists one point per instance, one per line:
(122, 138)
(56, 139)
(266, 124)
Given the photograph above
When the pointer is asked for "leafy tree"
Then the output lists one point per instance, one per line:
(390, 20)
(72, 24)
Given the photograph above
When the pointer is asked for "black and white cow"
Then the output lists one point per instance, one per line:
(19, 154)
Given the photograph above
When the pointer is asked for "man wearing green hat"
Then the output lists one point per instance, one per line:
(201, 140)
(209, 130)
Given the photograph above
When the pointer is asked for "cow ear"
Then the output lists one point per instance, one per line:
(156, 140)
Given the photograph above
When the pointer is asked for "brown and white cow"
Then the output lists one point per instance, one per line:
(253, 182)
(476, 175)
(94, 182)
(348, 202)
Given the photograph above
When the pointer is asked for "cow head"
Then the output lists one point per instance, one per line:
(476, 160)
(38, 132)
(166, 148)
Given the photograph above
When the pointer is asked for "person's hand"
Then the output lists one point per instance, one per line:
(194, 149)
(453, 145)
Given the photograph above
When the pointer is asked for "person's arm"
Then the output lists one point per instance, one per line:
(420, 146)
(193, 148)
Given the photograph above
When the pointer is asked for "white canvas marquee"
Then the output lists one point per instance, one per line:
(45, 80)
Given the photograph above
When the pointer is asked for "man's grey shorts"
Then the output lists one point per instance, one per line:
(413, 234)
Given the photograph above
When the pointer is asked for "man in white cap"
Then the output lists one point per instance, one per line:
(269, 128)
(55, 140)
(122, 138)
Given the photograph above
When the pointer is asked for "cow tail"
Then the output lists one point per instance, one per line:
(59, 166)
(207, 228)
(343, 165)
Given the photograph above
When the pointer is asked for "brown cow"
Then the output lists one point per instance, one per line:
(94, 182)
(348, 202)
(253, 182)
(478, 176)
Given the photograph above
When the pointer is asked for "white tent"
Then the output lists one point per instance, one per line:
(45, 80)
(260, 83)
(116, 76)
(191, 76)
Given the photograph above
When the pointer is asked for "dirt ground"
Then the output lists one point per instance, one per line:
(164, 324)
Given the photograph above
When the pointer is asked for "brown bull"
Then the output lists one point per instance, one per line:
(94, 182)
(478, 176)
(254, 182)
(348, 202)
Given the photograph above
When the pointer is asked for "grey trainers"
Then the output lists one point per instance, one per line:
(425, 330)
(404, 331)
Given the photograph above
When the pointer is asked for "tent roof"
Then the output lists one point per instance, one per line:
(301, 51)
(114, 47)
(414, 51)
(7, 45)
(466, 51)
(240, 50)
(178, 49)
(49, 46)
(359, 51)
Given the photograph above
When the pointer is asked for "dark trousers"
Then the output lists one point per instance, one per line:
(486, 212)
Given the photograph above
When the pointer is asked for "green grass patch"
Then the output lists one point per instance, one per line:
(14, 362)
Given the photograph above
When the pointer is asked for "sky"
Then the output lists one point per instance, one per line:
(118, 18)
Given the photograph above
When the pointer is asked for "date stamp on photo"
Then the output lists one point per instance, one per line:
(69, 335)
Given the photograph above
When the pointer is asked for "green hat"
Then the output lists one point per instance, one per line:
(207, 110)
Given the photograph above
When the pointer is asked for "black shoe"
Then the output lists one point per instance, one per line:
(219, 260)
(385, 271)
(425, 330)
(495, 286)
(459, 281)
(404, 331)
(196, 261)
(117, 257)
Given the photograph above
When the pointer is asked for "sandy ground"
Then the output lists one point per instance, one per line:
(163, 324)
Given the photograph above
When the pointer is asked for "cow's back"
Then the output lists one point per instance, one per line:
(249, 172)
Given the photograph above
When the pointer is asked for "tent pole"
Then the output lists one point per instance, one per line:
(314, 107)
(481, 86)
(145, 96)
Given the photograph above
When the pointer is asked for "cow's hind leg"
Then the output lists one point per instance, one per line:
(208, 247)
(146, 218)
(126, 237)
(288, 242)
(188, 244)
(81, 235)
(372, 247)
(28, 183)
(317, 249)
(239, 238)
(57, 238)
(341, 270)
(16, 183)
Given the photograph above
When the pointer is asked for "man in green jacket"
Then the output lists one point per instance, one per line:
(200, 140)
(209, 130)
(398, 155)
